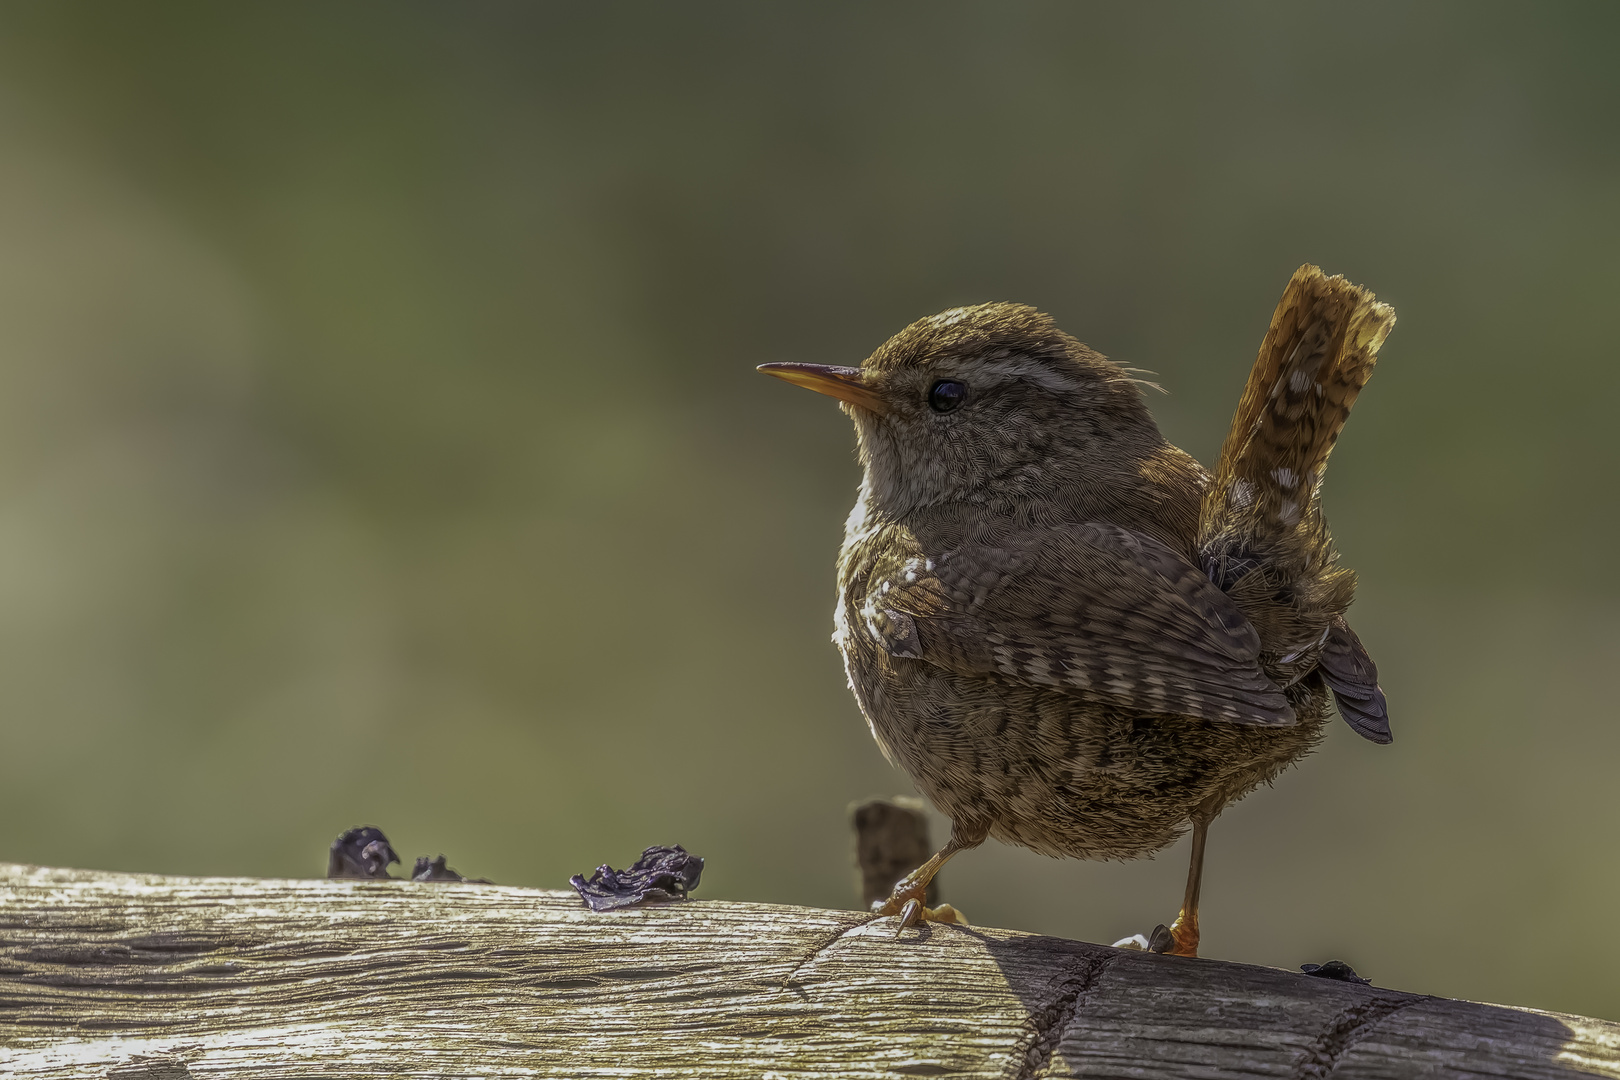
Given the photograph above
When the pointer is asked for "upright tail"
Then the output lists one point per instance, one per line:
(1261, 530)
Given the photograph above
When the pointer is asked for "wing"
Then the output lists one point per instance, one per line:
(1353, 677)
(1097, 610)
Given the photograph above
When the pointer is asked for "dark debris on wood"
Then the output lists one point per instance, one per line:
(662, 873)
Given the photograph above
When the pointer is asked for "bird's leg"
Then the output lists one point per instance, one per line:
(910, 891)
(1180, 938)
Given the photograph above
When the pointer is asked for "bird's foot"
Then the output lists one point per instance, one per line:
(913, 912)
(907, 902)
(1180, 938)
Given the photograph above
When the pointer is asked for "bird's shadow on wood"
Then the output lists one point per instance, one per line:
(1089, 1001)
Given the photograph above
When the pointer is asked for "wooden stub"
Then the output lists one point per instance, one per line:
(130, 976)
(891, 840)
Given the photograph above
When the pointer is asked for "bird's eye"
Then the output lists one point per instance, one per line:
(946, 395)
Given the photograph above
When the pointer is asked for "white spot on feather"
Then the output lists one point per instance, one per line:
(1285, 476)
(1299, 380)
(1299, 652)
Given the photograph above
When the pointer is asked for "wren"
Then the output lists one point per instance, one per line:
(1067, 632)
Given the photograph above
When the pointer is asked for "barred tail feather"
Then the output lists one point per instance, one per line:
(1262, 536)
(1316, 357)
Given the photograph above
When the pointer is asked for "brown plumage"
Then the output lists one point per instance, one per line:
(1067, 633)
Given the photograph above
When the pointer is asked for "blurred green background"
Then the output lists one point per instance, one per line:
(380, 440)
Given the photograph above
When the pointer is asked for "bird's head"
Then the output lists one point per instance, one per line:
(982, 403)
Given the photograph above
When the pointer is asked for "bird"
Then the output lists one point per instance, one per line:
(1068, 633)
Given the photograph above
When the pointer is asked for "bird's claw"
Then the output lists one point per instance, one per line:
(913, 911)
(1176, 940)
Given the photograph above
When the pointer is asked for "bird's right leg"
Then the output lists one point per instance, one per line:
(909, 892)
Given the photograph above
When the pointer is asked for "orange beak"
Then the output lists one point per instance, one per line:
(843, 383)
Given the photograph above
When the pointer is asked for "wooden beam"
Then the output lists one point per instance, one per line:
(161, 978)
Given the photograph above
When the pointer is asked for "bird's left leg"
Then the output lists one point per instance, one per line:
(910, 891)
(1185, 931)
(1180, 938)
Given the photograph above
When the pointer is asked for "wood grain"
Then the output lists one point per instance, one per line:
(160, 978)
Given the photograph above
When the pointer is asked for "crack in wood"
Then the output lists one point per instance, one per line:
(826, 943)
(1344, 1030)
(1053, 1019)
(169, 1065)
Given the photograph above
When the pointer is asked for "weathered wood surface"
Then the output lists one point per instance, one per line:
(134, 976)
